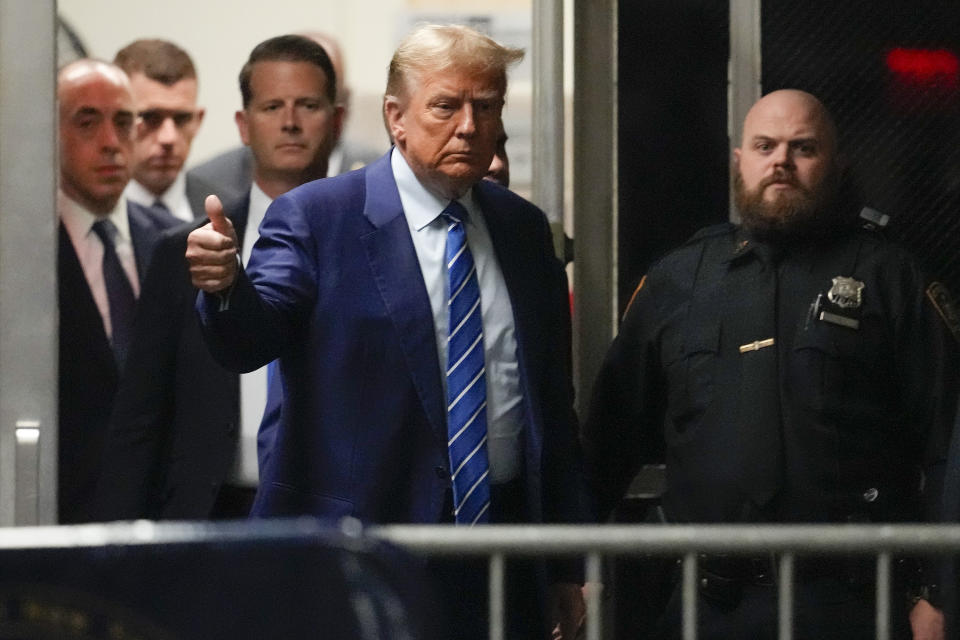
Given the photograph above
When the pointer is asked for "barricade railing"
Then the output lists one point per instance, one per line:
(595, 542)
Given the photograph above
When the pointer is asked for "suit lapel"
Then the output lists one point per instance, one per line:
(143, 236)
(238, 211)
(393, 261)
(80, 320)
(197, 193)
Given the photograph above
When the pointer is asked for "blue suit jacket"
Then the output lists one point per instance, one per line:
(334, 288)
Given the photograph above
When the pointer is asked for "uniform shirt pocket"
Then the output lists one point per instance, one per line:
(690, 364)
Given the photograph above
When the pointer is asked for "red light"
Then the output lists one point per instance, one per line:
(929, 67)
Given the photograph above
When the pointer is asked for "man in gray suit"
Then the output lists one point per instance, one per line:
(164, 83)
(231, 172)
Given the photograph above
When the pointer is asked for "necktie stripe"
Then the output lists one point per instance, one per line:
(482, 514)
(466, 498)
(467, 458)
(462, 322)
(464, 356)
(465, 391)
(456, 257)
(467, 424)
(463, 284)
(466, 379)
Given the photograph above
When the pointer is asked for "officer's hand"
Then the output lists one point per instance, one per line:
(212, 250)
(567, 610)
(926, 621)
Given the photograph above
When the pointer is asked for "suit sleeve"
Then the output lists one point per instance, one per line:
(138, 438)
(271, 299)
(566, 495)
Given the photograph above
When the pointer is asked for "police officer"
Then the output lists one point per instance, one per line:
(792, 368)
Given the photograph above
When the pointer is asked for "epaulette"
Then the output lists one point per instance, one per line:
(712, 231)
(943, 302)
(873, 220)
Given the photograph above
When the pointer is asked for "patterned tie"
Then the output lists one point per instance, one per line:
(119, 292)
(466, 383)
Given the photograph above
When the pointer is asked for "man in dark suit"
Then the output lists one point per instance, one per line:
(164, 83)
(350, 286)
(176, 425)
(231, 172)
(105, 244)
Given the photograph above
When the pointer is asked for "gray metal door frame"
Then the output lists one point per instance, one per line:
(28, 284)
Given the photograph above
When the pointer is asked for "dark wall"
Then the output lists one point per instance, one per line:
(673, 151)
(900, 130)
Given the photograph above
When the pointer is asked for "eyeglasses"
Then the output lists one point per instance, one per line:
(154, 118)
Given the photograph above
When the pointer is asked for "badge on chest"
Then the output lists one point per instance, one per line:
(842, 304)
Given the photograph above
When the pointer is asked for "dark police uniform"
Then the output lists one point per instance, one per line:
(809, 384)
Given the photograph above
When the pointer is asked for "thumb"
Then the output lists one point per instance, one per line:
(214, 209)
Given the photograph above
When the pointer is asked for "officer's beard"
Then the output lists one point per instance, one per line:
(794, 216)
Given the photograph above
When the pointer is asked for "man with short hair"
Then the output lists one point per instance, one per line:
(792, 368)
(499, 169)
(164, 84)
(232, 171)
(174, 434)
(105, 248)
(420, 320)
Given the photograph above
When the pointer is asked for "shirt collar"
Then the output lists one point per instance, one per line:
(172, 198)
(259, 201)
(426, 207)
(79, 221)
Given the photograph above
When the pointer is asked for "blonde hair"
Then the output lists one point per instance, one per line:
(434, 47)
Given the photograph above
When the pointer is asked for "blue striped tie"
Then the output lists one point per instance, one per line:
(466, 381)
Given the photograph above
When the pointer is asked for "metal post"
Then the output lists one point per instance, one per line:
(785, 602)
(594, 580)
(743, 70)
(497, 597)
(547, 169)
(594, 187)
(690, 596)
(28, 285)
(883, 595)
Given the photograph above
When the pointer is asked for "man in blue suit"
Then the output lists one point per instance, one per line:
(105, 247)
(348, 286)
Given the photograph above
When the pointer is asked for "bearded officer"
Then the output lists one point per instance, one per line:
(792, 368)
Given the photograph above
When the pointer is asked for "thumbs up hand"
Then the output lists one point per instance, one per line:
(212, 250)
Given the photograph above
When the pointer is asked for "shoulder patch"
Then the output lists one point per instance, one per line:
(643, 280)
(943, 302)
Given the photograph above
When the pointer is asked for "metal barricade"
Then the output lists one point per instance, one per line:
(595, 542)
(592, 542)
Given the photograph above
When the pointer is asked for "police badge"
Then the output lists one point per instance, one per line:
(846, 293)
(842, 306)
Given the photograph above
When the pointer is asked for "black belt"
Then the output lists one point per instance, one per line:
(722, 577)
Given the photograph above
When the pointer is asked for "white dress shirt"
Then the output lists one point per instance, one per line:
(429, 233)
(253, 385)
(79, 225)
(174, 198)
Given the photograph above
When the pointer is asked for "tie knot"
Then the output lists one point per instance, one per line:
(105, 230)
(455, 212)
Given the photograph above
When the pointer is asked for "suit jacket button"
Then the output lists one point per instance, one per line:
(441, 472)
